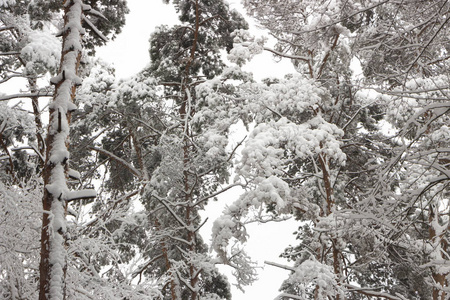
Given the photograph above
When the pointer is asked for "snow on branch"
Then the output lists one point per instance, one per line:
(73, 174)
(66, 75)
(94, 29)
(219, 192)
(186, 283)
(174, 214)
(369, 292)
(123, 162)
(28, 95)
(286, 295)
(88, 10)
(9, 53)
(7, 28)
(107, 212)
(141, 268)
(81, 195)
(329, 24)
(5, 79)
(279, 266)
(312, 272)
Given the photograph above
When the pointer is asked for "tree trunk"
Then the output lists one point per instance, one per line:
(53, 253)
(37, 119)
(442, 245)
(329, 206)
(186, 113)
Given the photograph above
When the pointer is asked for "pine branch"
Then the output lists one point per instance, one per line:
(94, 29)
(15, 76)
(88, 10)
(9, 53)
(342, 19)
(426, 46)
(123, 162)
(106, 213)
(145, 266)
(286, 295)
(205, 198)
(367, 292)
(7, 28)
(163, 202)
(278, 53)
(29, 95)
(280, 266)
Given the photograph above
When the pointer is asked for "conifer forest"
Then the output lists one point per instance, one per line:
(105, 182)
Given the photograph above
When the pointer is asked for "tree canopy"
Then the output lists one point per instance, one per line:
(104, 181)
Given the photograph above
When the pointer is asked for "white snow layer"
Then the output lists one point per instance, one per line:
(66, 80)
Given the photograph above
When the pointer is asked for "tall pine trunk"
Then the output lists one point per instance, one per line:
(53, 253)
(440, 245)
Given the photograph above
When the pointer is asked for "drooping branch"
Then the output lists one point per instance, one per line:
(95, 29)
(281, 54)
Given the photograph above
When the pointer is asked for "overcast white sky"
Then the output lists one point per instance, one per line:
(129, 54)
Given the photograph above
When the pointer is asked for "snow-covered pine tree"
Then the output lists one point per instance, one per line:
(295, 159)
(31, 51)
(296, 169)
(167, 146)
(380, 220)
(404, 57)
(194, 159)
(53, 264)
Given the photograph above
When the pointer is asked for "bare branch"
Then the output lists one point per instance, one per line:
(367, 292)
(29, 95)
(426, 46)
(218, 193)
(163, 202)
(9, 53)
(14, 76)
(279, 266)
(123, 162)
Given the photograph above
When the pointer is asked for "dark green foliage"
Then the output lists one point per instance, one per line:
(42, 11)
(114, 12)
(218, 284)
(25, 16)
(171, 49)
